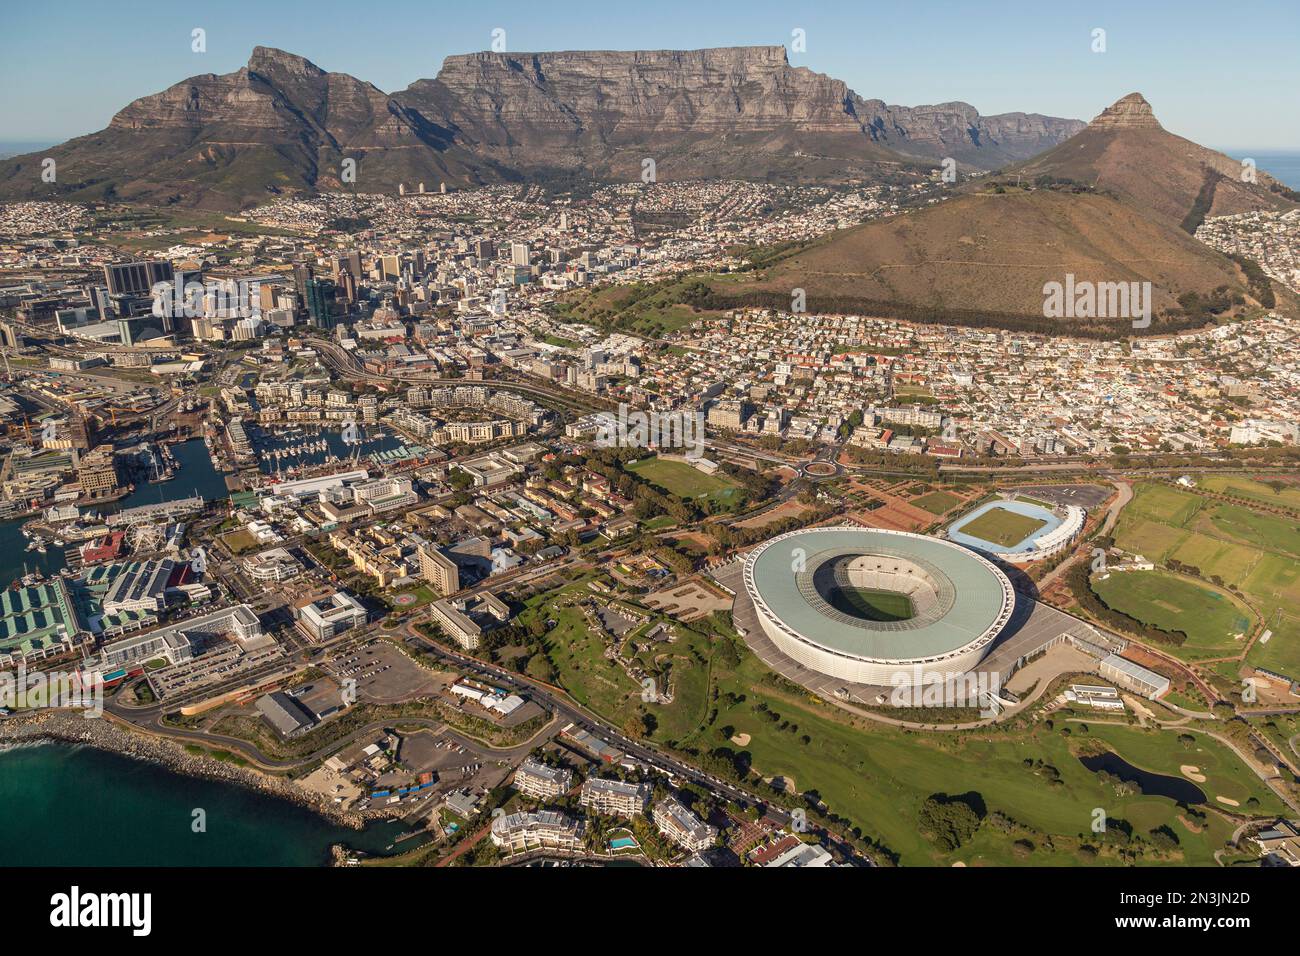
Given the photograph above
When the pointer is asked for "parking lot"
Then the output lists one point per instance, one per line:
(1085, 496)
(383, 674)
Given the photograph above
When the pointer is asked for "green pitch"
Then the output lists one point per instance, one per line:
(1002, 527)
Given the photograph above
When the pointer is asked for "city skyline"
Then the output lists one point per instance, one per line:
(1234, 96)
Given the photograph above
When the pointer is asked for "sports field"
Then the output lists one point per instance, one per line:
(1256, 552)
(683, 480)
(873, 604)
(1213, 620)
(1164, 504)
(1286, 494)
(937, 502)
(1002, 527)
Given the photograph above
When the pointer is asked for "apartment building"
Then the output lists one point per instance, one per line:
(438, 569)
(682, 826)
(620, 798)
(544, 830)
(540, 781)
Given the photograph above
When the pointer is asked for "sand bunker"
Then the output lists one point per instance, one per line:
(1192, 773)
(741, 740)
(1227, 801)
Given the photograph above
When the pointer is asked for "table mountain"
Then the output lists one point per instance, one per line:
(283, 125)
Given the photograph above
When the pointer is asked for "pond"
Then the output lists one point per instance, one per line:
(1151, 784)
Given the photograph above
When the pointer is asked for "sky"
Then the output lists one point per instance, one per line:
(1224, 75)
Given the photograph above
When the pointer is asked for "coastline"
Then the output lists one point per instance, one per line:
(52, 726)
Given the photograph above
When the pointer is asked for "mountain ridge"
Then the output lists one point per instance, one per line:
(281, 124)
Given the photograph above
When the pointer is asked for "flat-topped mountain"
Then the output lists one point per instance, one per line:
(281, 124)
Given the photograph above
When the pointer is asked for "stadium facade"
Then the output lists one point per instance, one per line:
(878, 607)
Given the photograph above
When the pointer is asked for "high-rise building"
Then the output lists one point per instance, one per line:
(350, 263)
(438, 569)
(136, 278)
(319, 295)
(302, 274)
(519, 253)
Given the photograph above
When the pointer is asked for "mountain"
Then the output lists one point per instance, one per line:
(959, 131)
(740, 111)
(1116, 203)
(278, 125)
(735, 111)
(1127, 152)
(983, 258)
(282, 125)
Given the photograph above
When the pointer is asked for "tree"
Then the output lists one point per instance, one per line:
(635, 726)
(948, 821)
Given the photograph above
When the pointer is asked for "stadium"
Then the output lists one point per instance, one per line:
(877, 607)
(1018, 531)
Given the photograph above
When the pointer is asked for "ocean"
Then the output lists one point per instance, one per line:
(66, 805)
(1283, 165)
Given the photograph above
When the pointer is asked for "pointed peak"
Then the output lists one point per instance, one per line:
(267, 58)
(1127, 112)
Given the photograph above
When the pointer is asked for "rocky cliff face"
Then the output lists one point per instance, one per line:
(584, 109)
(958, 130)
(1127, 112)
(282, 124)
(697, 113)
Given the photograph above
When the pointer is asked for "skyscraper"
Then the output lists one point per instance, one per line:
(320, 303)
(136, 278)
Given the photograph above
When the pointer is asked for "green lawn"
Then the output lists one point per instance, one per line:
(937, 502)
(1002, 527)
(1212, 618)
(1239, 486)
(1247, 549)
(683, 480)
(873, 604)
(577, 652)
(877, 776)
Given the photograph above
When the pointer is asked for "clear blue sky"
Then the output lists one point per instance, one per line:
(1226, 75)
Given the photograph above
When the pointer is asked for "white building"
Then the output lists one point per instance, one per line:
(536, 779)
(682, 826)
(620, 798)
(544, 830)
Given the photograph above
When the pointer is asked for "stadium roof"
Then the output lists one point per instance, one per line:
(975, 593)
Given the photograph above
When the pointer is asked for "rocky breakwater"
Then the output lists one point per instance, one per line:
(69, 728)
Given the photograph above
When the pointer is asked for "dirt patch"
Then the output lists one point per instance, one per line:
(784, 784)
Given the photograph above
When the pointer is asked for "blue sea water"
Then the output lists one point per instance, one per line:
(1283, 165)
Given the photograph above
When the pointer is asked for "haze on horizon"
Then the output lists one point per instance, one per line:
(1221, 80)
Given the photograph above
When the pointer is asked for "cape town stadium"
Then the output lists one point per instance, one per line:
(875, 606)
